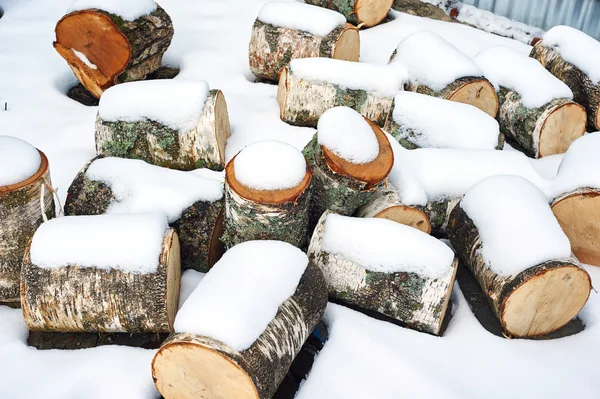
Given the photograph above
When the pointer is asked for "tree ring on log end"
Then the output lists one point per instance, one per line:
(546, 301)
(565, 124)
(266, 196)
(31, 180)
(479, 93)
(408, 216)
(200, 372)
(579, 216)
(371, 173)
(222, 128)
(372, 12)
(173, 264)
(347, 46)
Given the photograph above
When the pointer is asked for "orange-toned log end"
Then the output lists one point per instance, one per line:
(564, 125)
(31, 180)
(371, 173)
(266, 196)
(479, 93)
(408, 216)
(579, 217)
(97, 37)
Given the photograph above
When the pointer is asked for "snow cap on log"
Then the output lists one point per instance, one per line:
(19, 160)
(358, 12)
(418, 120)
(316, 20)
(128, 10)
(580, 167)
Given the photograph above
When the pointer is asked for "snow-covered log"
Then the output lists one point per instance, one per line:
(536, 110)
(576, 197)
(572, 56)
(350, 157)
(533, 284)
(285, 31)
(172, 123)
(310, 86)
(193, 204)
(25, 197)
(365, 13)
(267, 195)
(105, 44)
(240, 329)
(437, 68)
(386, 204)
(387, 267)
(107, 273)
(418, 121)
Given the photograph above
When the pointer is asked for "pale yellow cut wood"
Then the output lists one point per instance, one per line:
(347, 46)
(173, 263)
(372, 12)
(479, 93)
(407, 215)
(222, 127)
(532, 308)
(563, 126)
(282, 91)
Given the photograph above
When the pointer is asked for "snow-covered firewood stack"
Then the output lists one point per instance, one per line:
(505, 232)
(287, 30)
(576, 197)
(350, 157)
(107, 273)
(418, 121)
(177, 124)
(310, 86)
(240, 329)
(25, 200)
(365, 13)
(437, 68)
(193, 204)
(380, 265)
(106, 43)
(573, 57)
(267, 195)
(536, 110)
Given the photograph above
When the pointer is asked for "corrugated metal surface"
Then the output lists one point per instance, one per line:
(580, 14)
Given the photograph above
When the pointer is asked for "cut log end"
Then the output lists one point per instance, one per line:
(29, 181)
(407, 215)
(282, 91)
(578, 215)
(371, 173)
(564, 125)
(173, 264)
(347, 46)
(597, 126)
(479, 93)
(200, 372)
(371, 12)
(546, 302)
(222, 128)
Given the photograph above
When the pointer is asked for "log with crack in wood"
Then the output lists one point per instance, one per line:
(456, 78)
(367, 13)
(533, 284)
(285, 31)
(107, 273)
(193, 204)
(310, 86)
(104, 48)
(234, 341)
(536, 110)
(569, 55)
(386, 267)
(172, 123)
(267, 195)
(25, 197)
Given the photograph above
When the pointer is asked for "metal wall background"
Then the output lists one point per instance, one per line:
(581, 14)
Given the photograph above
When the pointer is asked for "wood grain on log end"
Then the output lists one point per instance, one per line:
(578, 214)
(480, 93)
(407, 215)
(563, 125)
(222, 127)
(283, 88)
(347, 46)
(371, 12)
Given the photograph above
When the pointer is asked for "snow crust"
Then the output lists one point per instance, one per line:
(131, 243)
(139, 187)
(577, 48)
(175, 103)
(384, 246)
(128, 10)
(505, 67)
(241, 294)
(516, 225)
(346, 132)
(428, 121)
(270, 165)
(84, 59)
(432, 61)
(305, 17)
(19, 160)
(381, 80)
(580, 166)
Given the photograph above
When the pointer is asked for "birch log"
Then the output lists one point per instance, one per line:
(90, 299)
(22, 206)
(104, 49)
(416, 300)
(192, 366)
(585, 92)
(367, 13)
(159, 144)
